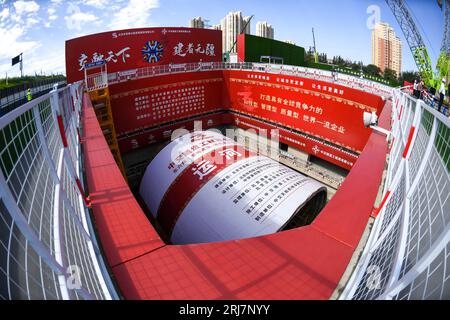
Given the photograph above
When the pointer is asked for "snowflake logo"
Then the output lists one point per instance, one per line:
(152, 51)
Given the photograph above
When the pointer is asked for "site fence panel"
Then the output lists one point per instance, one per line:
(407, 255)
(46, 250)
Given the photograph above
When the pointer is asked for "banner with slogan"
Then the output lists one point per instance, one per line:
(154, 101)
(144, 47)
(325, 110)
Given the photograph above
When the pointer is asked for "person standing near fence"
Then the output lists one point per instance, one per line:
(415, 88)
(441, 96)
(420, 89)
(29, 96)
(448, 91)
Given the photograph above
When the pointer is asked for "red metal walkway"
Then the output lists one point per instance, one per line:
(304, 263)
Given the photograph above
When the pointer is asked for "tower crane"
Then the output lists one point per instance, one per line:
(316, 55)
(417, 45)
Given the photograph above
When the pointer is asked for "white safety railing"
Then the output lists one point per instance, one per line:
(48, 248)
(96, 81)
(323, 75)
(407, 255)
(19, 96)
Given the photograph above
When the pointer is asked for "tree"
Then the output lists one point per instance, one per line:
(338, 60)
(323, 58)
(409, 76)
(356, 66)
(310, 55)
(372, 70)
(390, 75)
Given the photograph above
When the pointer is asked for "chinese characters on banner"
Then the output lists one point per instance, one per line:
(166, 104)
(303, 142)
(142, 48)
(199, 146)
(204, 168)
(294, 109)
(259, 198)
(153, 101)
(324, 110)
(182, 50)
(121, 55)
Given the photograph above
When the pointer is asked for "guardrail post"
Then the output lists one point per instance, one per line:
(58, 117)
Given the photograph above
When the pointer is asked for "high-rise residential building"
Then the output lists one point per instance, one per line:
(246, 22)
(197, 23)
(386, 48)
(232, 25)
(263, 29)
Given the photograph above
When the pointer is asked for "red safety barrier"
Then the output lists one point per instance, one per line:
(62, 131)
(408, 144)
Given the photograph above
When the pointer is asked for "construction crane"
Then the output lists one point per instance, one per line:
(417, 45)
(316, 54)
(443, 63)
(227, 58)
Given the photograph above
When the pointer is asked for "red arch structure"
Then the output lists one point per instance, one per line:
(304, 263)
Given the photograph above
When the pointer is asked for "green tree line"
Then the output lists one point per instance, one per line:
(368, 70)
(28, 80)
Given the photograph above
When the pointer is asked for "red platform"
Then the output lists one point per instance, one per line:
(304, 263)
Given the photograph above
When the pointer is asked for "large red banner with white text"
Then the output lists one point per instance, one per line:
(148, 102)
(328, 116)
(144, 47)
(325, 110)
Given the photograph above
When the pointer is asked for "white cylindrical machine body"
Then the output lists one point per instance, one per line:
(204, 187)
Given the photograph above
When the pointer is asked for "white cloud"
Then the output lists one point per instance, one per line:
(135, 14)
(51, 16)
(51, 62)
(11, 36)
(100, 4)
(4, 14)
(75, 18)
(30, 22)
(25, 7)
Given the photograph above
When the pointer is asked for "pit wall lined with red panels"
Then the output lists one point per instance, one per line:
(303, 263)
(327, 117)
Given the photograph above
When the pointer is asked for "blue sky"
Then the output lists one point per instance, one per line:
(39, 28)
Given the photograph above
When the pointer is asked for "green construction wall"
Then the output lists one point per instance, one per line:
(255, 47)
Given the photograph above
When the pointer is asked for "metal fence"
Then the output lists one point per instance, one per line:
(407, 255)
(47, 246)
(14, 97)
(311, 73)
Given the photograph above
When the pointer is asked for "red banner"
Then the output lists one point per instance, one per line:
(304, 143)
(146, 137)
(144, 47)
(147, 102)
(324, 110)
